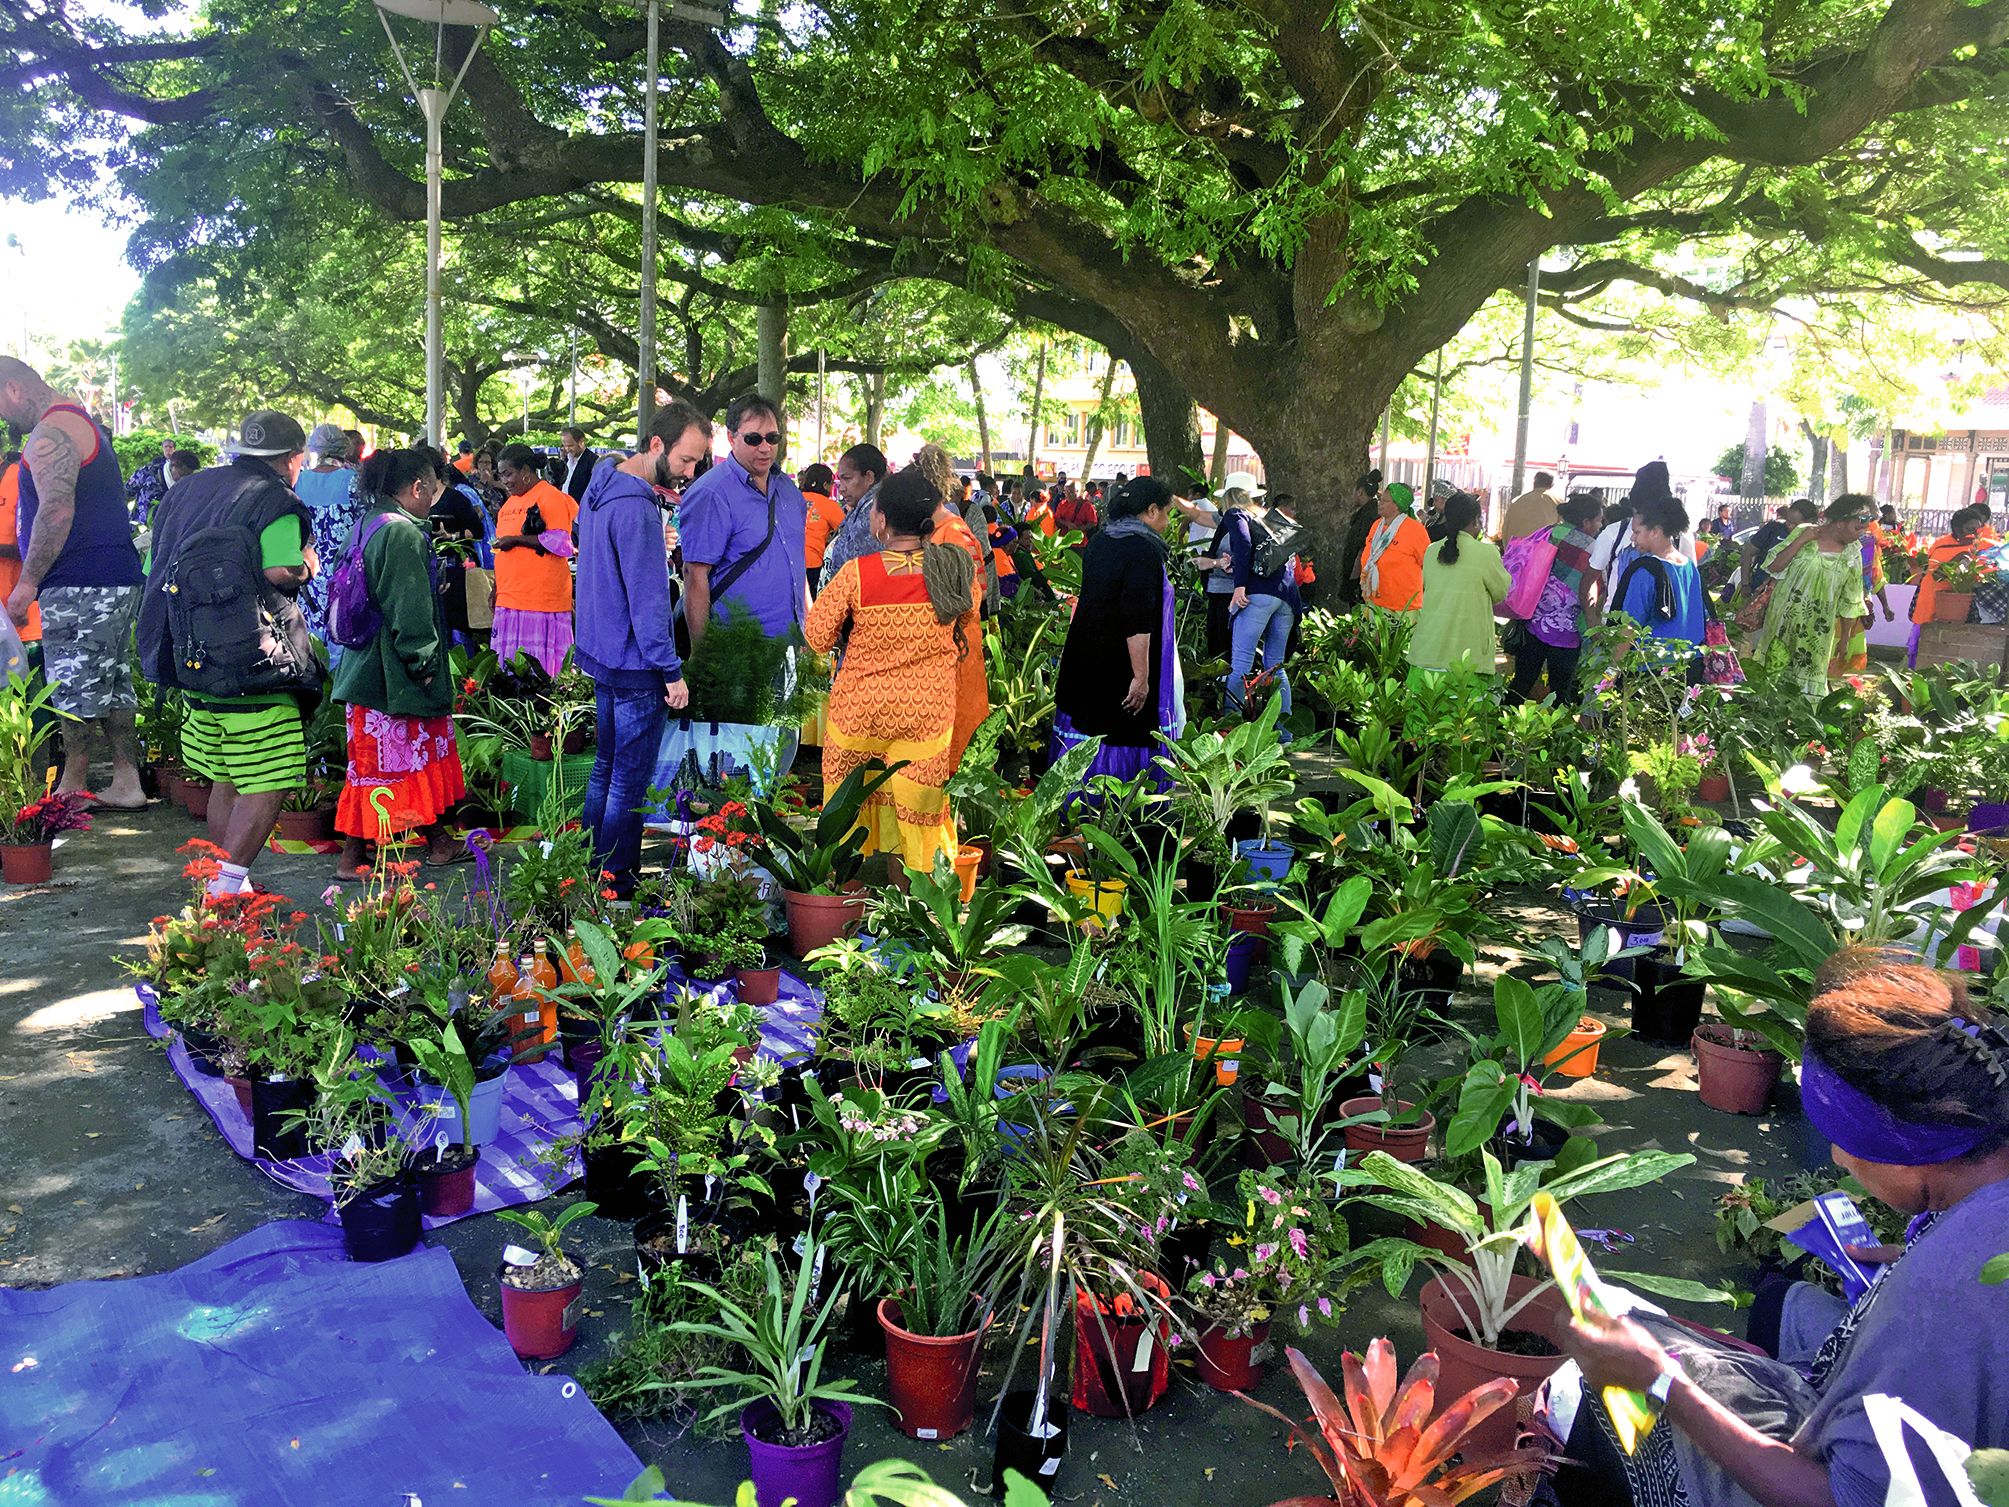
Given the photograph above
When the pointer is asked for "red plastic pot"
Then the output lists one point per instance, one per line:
(195, 798)
(1462, 1365)
(1406, 1143)
(1229, 1365)
(1122, 1363)
(26, 862)
(541, 1325)
(931, 1381)
(1731, 1077)
(816, 920)
(1253, 919)
(446, 1190)
(758, 986)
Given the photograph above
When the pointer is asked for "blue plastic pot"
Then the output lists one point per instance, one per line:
(1268, 861)
(1242, 955)
(484, 1107)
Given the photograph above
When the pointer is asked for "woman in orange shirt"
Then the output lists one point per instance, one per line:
(973, 693)
(910, 611)
(826, 517)
(1961, 538)
(1391, 563)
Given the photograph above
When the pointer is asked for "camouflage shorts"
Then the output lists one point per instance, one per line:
(87, 636)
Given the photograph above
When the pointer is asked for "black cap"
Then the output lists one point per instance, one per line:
(270, 434)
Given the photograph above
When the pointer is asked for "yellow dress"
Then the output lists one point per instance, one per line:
(894, 699)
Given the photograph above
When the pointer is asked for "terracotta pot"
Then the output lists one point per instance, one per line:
(1733, 1078)
(575, 742)
(816, 920)
(1406, 1143)
(317, 825)
(1948, 821)
(1714, 789)
(1462, 1365)
(758, 986)
(540, 747)
(1229, 1365)
(969, 863)
(931, 1382)
(1575, 1056)
(26, 862)
(1951, 606)
(195, 798)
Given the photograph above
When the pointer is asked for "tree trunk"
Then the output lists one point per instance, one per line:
(1307, 438)
(1171, 423)
(1817, 467)
(1838, 466)
(771, 328)
(1756, 435)
(875, 406)
(1032, 416)
(465, 392)
(983, 421)
(1217, 465)
(1095, 419)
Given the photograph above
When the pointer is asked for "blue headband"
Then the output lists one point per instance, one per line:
(1865, 1129)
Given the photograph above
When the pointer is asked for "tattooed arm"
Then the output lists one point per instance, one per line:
(54, 461)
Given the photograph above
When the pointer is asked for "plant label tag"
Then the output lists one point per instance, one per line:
(352, 1148)
(403, 988)
(1049, 1467)
(544, 848)
(711, 1182)
(439, 1142)
(1142, 1362)
(516, 1255)
(810, 1183)
(683, 1223)
(801, 1246)
(1264, 1353)
(816, 1276)
(1374, 1081)
(927, 1433)
(570, 1318)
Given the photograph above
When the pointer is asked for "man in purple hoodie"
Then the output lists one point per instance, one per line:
(624, 641)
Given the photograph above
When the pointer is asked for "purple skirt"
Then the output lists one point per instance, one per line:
(545, 636)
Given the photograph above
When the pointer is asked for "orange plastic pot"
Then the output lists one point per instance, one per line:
(1568, 1060)
(968, 862)
(1225, 1052)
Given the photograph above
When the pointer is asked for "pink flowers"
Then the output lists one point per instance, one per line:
(1269, 1195)
(1263, 1254)
(1299, 1244)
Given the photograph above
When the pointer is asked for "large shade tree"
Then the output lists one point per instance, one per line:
(1280, 207)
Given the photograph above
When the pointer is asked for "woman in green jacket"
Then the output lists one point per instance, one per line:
(1463, 580)
(397, 687)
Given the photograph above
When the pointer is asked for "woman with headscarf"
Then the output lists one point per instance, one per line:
(1119, 669)
(910, 613)
(1817, 588)
(1391, 562)
(1463, 581)
(327, 485)
(1906, 1079)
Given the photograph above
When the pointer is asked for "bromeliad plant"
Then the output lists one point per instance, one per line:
(930, 928)
(823, 856)
(1478, 1281)
(1394, 1446)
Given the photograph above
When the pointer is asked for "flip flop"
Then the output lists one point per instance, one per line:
(341, 878)
(460, 855)
(104, 805)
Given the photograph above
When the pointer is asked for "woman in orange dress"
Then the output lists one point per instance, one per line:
(1391, 563)
(910, 611)
(973, 690)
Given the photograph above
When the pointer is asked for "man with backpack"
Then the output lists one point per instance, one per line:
(221, 621)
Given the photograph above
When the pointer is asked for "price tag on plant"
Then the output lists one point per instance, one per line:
(352, 1148)
(570, 1318)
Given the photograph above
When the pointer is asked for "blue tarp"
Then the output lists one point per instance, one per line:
(276, 1372)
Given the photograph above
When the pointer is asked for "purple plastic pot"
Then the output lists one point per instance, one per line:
(1242, 954)
(814, 1475)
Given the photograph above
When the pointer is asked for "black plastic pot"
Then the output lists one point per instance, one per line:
(661, 1225)
(1203, 880)
(1184, 1251)
(963, 1210)
(1666, 1004)
(202, 1048)
(381, 1223)
(1543, 1144)
(1038, 1460)
(1431, 977)
(1644, 928)
(271, 1137)
(612, 1181)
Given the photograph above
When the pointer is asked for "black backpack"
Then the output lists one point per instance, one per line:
(1272, 542)
(232, 632)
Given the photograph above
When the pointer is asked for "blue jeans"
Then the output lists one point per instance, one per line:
(1266, 624)
(624, 766)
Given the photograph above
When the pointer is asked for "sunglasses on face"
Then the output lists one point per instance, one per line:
(753, 438)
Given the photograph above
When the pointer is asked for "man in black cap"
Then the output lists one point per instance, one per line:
(221, 620)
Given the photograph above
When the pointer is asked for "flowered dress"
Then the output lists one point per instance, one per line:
(1803, 634)
(894, 699)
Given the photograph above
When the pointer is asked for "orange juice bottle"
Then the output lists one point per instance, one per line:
(502, 976)
(526, 1008)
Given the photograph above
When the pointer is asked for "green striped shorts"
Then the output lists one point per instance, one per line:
(258, 749)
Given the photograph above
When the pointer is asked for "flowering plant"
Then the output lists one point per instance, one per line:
(1285, 1255)
(50, 817)
(1963, 573)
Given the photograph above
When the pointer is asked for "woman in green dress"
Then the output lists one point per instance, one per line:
(1817, 585)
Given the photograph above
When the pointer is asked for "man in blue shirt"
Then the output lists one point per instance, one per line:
(742, 525)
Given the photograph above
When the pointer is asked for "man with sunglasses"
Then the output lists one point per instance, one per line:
(743, 524)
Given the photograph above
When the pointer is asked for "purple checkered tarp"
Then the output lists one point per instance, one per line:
(540, 1104)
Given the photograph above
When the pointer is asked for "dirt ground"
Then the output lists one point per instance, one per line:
(111, 1170)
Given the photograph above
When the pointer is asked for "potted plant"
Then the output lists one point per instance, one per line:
(794, 1419)
(930, 928)
(935, 1320)
(1500, 1096)
(1296, 1111)
(1390, 1445)
(353, 1115)
(1477, 1301)
(445, 1172)
(1958, 579)
(1285, 1256)
(817, 864)
(306, 813)
(1220, 771)
(722, 928)
(541, 1288)
(27, 837)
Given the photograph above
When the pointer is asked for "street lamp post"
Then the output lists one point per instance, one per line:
(433, 103)
(645, 401)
